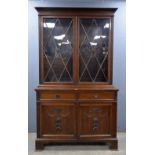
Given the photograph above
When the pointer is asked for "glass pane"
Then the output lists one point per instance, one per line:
(93, 55)
(57, 37)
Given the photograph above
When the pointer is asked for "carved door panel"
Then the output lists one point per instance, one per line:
(95, 120)
(57, 120)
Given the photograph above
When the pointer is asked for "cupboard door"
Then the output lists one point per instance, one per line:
(57, 120)
(96, 120)
(94, 49)
(57, 50)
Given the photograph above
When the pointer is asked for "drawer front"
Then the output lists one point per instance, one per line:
(97, 95)
(57, 95)
(57, 120)
(96, 121)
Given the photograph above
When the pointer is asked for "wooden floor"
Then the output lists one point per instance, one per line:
(78, 149)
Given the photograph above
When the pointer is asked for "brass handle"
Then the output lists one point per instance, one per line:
(96, 96)
(56, 97)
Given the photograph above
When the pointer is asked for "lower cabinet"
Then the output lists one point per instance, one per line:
(57, 120)
(68, 120)
(78, 118)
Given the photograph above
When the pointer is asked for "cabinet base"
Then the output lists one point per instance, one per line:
(40, 143)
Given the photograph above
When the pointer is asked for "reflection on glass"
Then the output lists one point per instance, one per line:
(57, 50)
(93, 44)
(106, 25)
(96, 37)
(60, 37)
(49, 25)
(93, 55)
(99, 37)
(64, 43)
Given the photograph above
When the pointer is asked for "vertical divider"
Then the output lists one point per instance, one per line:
(75, 50)
(76, 69)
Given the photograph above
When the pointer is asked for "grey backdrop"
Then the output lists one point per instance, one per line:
(119, 52)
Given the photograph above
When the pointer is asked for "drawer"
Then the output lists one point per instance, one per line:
(57, 95)
(97, 95)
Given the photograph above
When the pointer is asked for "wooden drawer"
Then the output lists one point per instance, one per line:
(97, 95)
(57, 95)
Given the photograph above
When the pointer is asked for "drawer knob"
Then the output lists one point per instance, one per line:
(56, 97)
(96, 96)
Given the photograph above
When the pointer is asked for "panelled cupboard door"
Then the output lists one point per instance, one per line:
(57, 120)
(95, 120)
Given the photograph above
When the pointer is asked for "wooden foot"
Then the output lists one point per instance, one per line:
(39, 145)
(114, 145)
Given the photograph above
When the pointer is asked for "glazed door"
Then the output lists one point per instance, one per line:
(57, 49)
(58, 120)
(94, 50)
(76, 49)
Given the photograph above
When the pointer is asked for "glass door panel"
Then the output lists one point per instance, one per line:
(93, 49)
(57, 49)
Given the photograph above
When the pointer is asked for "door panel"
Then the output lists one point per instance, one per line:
(58, 120)
(95, 120)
